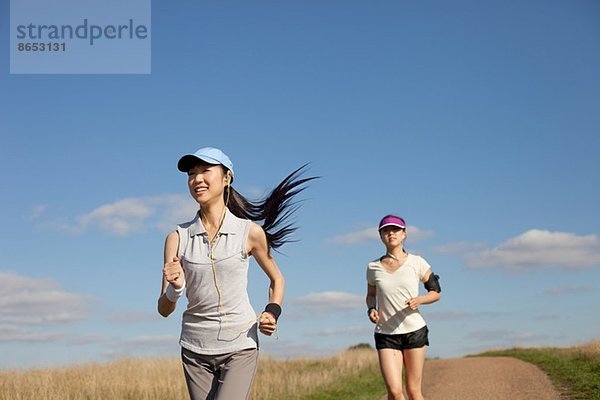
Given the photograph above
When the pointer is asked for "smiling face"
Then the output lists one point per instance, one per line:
(392, 236)
(207, 182)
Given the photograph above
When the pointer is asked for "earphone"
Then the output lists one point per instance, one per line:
(213, 243)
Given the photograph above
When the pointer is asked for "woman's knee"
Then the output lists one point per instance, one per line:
(414, 391)
(395, 395)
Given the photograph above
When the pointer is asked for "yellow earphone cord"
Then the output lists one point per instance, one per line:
(212, 246)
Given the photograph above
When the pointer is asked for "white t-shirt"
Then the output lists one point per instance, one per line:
(394, 289)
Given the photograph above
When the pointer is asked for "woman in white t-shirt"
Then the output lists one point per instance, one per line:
(393, 305)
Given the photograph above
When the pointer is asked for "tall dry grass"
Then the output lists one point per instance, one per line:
(156, 379)
(296, 379)
(124, 379)
(591, 350)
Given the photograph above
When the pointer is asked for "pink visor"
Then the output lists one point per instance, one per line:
(392, 220)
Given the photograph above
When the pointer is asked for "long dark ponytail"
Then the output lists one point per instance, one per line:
(274, 210)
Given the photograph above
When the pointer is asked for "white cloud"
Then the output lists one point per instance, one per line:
(131, 215)
(122, 217)
(490, 334)
(548, 317)
(539, 248)
(328, 301)
(414, 235)
(448, 315)
(480, 341)
(35, 301)
(88, 339)
(254, 192)
(10, 333)
(133, 317)
(30, 306)
(37, 211)
(508, 336)
(458, 247)
(461, 315)
(568, 290)
(356, 237)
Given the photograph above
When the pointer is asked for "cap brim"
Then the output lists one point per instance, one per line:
(392, 224)
(188, 161)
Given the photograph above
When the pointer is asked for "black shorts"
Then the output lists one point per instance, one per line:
(403, 341)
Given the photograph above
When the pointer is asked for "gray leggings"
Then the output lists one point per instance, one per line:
(219, 377)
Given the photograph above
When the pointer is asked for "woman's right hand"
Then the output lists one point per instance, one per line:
(173, 273)
(374, 316)
(267, 323)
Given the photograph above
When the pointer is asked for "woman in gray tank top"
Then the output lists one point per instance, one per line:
(209, 257)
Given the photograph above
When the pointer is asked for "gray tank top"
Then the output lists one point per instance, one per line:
(219, 318)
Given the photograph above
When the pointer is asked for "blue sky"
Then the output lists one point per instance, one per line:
(477, 121)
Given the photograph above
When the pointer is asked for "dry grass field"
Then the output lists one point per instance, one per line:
(155, 379)
(591, 350)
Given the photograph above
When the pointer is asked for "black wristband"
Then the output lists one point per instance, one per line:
(369, 311)
(275, 309)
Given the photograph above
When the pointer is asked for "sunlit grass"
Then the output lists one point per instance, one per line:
(156, 379)
(353, 374)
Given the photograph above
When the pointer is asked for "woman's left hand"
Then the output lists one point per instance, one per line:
(413, 303)
(267, 324)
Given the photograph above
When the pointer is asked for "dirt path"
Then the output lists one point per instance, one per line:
(486, 378)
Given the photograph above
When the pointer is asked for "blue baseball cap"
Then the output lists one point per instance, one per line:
(209, 155)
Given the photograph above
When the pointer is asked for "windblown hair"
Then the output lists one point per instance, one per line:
(274, 210)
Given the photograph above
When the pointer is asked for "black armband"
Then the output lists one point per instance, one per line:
(433, 283)
(273, 309)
